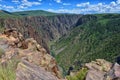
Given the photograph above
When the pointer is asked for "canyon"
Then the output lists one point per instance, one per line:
(58, 42)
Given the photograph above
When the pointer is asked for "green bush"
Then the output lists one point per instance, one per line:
(1, 28)
(7, 72)
(79, 76)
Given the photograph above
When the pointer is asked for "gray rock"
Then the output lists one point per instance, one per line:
(95, 75)
(29, 71)
(117, 70)
(102, 70)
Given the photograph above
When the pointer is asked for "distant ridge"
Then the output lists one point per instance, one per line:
(3, 11)
(35, 13)
(6, 14)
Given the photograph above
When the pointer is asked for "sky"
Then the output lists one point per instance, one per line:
(63, 6)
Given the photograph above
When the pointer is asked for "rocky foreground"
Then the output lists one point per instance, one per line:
(34, 63)
(103, 70)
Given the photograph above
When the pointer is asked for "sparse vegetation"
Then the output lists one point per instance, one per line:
(1, 52)
(7, 70)
(5, 14)
(1, 29)
(89, 41)
(80, 75)
(35, 13)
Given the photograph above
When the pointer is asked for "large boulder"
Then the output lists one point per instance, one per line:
(95, 75)
(28, 71)
(102, 70)
(117, 70)
(100, 65)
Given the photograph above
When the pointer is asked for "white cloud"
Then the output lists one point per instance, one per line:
(40, 0)
(21, 5)
(83, 4)
(66, 4)
(65, 11)
(100, 4)
(113, 3)
(8, 7)
(58, 1)
(50, 4)
(26, 4)
(88, 8)
(118, 1)
(112, 7)
(15, 1)
(85, 8)
(29, 4)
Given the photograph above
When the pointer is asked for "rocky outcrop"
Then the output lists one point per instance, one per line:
(102, 70)
(34, 63)
(29, 71)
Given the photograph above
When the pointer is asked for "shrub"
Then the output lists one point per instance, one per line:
(79, 75)
(8, 72)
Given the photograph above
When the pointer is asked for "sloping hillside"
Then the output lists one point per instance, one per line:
(35, 13)
(97, 36)
(6, 14)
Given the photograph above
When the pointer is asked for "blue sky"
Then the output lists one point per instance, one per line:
(63, 6)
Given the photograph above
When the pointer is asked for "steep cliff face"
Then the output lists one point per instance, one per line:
(42, 29)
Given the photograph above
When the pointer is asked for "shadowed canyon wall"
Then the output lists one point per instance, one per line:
(42, 29)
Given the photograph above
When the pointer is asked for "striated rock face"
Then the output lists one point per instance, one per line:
(41, 28)
(85, 19)
(102, 70)
(34, 61)
(29, 71)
